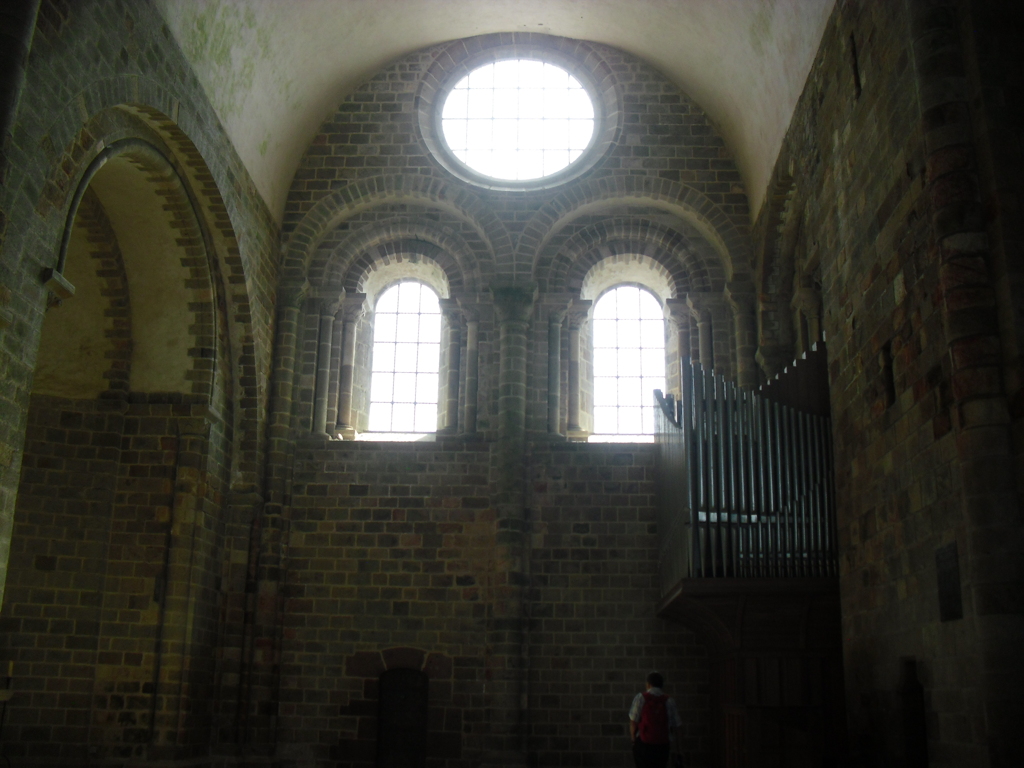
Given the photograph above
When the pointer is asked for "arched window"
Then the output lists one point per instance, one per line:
(629, 361)
(406, 354)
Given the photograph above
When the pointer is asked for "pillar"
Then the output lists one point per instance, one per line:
(741, 297)
(453, 325)
(352, 308)
(327, 310)
(992, 537)
(701, 310)
(506, 634)
(677, 315)
(578, 314)
(334, 381)
(557, 307)
(471, 316)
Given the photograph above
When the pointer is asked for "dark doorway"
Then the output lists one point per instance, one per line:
(402, 719)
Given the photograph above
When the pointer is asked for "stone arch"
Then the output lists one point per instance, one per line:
(730, 241)
(383, 240)
(92, 334)
(360, 697)
(129, 105)
(368, 193)
(395, 261)
(627, 268)
(173, 304)
(623, 238)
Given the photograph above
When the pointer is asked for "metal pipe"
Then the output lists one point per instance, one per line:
(830, 500)
(694, 465)
(719, 429)
(732, 508)
(735, 531)
(789, 473)
(772, 450)
(743, 518)
(819, 485)
(699, 460)
(761, 483)
(794, 492)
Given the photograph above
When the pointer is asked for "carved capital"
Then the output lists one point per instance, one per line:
(579, 313)
(353, 306)
(678, 312)
(513, 303)
(556, 306)
(292, 295)
(470, 306)
(702, 304)
(807, 300)
(452, 312)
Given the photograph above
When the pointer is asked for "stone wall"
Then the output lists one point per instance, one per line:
(876, 196)
(392, 563)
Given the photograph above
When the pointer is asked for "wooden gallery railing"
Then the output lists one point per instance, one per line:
(747, 487)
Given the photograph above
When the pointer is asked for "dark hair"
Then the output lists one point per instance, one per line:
(656, 680)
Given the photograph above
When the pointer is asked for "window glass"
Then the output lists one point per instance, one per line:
(629, 361)
(406, 355)
(518, 119)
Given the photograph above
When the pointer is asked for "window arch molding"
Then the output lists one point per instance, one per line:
(347, 263)
(371, 275)
(584, 62)
(687, 261)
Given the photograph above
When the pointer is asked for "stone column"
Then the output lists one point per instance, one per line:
(678, 314)
(506, 633)
(471, 315)
(992, 535)
(327, 308)
(259, 670)
(334, 382)
(701, 310)
(741, 297)
(352, 308)
(290, 299)
(182, 584)
(557, 306)
(578, 314)
(453, 325)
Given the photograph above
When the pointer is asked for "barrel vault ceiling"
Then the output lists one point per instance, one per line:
(275, 69)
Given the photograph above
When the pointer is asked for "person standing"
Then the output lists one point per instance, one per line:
(653, 721)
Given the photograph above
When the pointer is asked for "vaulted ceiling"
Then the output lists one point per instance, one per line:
(275, 69)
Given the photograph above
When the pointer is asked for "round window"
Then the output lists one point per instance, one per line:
(518, 120)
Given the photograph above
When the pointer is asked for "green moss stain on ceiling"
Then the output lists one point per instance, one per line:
(274, 70)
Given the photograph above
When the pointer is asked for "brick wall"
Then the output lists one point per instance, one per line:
(390, 547)
(594, 586)
(391, 562)
(113, 606)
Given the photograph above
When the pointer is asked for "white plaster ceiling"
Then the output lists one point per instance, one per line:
(276, 69)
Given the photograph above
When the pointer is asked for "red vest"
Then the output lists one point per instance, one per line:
(653, 725)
